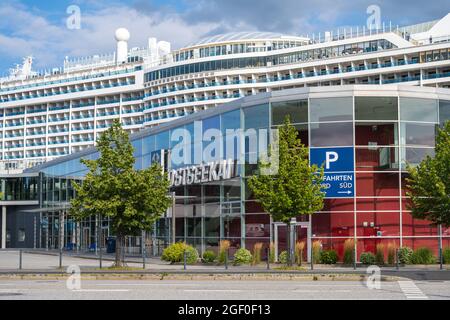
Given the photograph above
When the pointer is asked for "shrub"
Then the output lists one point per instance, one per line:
(242, 256)
(299, 248)
(422, 256)
(223, 250)
(446, 255)
(348, 251)
(328, 257)
(379, 254)
(272, 252)
(391, 253)
(367, 258)
(209, 256)
(191, 255)
(316, 249)
(404, 255)
(283, 257)
(257, 248)
(175, 253)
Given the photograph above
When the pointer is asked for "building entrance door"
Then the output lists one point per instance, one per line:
(302, 233)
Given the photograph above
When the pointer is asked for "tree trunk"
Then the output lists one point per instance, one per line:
(119, 247)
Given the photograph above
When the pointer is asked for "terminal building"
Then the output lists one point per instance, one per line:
(378, 95)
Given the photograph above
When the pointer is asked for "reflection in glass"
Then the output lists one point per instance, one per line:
(376, 134)
(148, 145)
(193, 220)
(414, 109)
(296, 110)
(331, 109)
(230, 120)
(256, 117)
(444, 111)
(257, 225)
(376, 158)
(211, 192)
(162, 141)
(376, 108)
(232, 190)
(231, 226)
(413, 156)
(418, 134)
(331, 134)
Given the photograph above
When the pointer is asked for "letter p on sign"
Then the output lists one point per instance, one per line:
(330, 157)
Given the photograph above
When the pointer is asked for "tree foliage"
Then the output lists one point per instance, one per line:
(428, 183)
(296, 189)
(132, 199)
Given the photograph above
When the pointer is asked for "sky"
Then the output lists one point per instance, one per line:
(39, 28)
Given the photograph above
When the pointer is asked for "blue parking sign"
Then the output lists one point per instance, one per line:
(333, 159)
(339, 185)
(339, 177)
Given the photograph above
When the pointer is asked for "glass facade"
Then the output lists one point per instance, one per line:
(19, 189)
(301, 56)
(385, 131)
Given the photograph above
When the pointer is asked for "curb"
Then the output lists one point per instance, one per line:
(200, 277)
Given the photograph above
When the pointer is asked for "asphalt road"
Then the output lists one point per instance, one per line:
(223, 290)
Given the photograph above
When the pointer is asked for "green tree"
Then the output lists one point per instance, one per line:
(295, 189)
(428, 183)
(132, 199)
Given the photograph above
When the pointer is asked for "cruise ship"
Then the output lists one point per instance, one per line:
(45, 115)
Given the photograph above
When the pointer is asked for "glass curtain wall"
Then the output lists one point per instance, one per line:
(386, 132)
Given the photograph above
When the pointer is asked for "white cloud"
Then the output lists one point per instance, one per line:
(49, 43)
(25, 31)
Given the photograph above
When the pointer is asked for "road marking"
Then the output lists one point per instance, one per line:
(411, 290)
(98, 290)
(314, 291)
(206, 290)
(7, 290)
(148, 284)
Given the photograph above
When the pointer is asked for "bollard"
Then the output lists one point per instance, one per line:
(143, 258)
(226, 261)
(268, 258)
(185, 258)
(101, 258)
(20, 259)
(354, 259)
(397, 259)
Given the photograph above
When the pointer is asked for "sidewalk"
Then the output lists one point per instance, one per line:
(47, 262)
(156, 261)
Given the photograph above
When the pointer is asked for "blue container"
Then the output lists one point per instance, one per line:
(111, 245)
